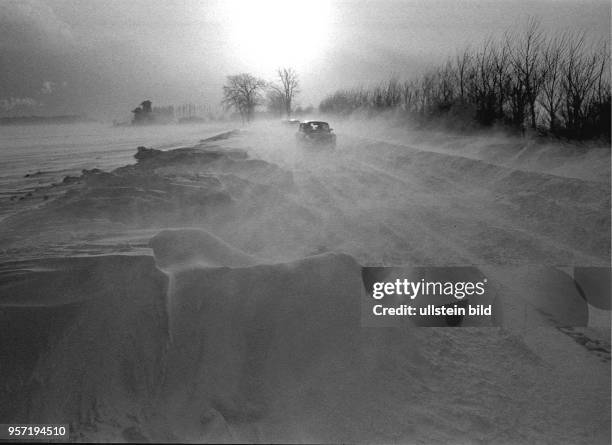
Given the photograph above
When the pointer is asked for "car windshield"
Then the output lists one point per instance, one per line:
(318, 126)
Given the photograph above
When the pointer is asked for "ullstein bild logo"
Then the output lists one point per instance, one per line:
(484, 296)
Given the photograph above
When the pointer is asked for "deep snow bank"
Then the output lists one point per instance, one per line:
(256, 353)
(109, 345)
(187, 247)
(567, 212)
(251, 340)
(163, 188)
(588, 161)
(82, 339)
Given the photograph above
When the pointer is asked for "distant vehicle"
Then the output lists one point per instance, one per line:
(291, 122)
(316, 133)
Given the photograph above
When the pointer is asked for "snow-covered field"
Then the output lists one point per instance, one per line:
(213, 293)
(47, 153)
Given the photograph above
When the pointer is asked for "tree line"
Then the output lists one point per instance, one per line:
(244, 92)
(554, 84)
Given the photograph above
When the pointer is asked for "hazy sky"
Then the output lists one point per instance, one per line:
(103, 57)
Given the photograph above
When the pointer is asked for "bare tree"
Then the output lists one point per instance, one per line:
(551, 97)
(526, 78)
(525, 57)
(445, 89)
(502, 78)
(581, 72)
(601, 105)
(288, 88)
(603, 75)
(463, 65)
(276, 102)
(386, 94)
(426, 86)
(481, 87)
(408, 95)
(243, 92)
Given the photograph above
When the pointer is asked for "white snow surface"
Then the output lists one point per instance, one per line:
(213, 294)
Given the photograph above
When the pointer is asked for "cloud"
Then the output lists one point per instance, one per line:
(32, 23)
(18, 102)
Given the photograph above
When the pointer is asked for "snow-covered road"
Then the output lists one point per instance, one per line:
(247, 326)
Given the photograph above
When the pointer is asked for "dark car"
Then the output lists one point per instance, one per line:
(316, 133)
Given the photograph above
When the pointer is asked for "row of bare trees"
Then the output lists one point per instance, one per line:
(244, 92)
(557, 84)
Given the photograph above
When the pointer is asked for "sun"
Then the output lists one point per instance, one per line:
(267, 34)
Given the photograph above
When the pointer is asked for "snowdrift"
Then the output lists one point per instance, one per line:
(218, 347)
(163, 188)
(117, 347)
(567, 211)
(186, 247)
(83, 339)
